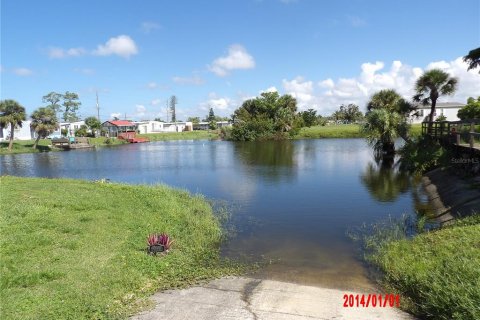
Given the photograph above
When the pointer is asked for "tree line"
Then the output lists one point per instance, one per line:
(44, 119)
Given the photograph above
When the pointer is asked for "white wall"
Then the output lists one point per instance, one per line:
(157, 126)
(23, 133)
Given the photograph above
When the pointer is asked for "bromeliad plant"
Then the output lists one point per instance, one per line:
(159, 242)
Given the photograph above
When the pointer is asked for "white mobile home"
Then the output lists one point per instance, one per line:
(19, 133)
(447, 109)
(144, 127)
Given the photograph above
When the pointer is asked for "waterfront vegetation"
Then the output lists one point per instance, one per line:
(436, 272)
(314, 132)
(74, 249)
(186, 135)
(26, 146)
(343, 131)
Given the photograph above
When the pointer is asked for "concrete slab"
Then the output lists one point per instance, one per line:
(248, 298)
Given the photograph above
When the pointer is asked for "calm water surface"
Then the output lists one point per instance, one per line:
(292, 201)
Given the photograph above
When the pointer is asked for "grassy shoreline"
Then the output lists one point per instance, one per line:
(342, 131)
(436, 272)
(76, 249)
(317, 132)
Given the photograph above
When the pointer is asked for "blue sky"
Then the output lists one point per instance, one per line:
(218, 53)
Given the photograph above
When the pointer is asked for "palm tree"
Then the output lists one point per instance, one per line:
(11, 113)
(44, 122)
(430, 86)
(391, 101)
(381, 128)
(473, 59)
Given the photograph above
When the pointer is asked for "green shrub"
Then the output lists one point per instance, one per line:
(422, 154)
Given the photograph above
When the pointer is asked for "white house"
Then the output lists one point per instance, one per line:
(448, 109)
(158, 126)
(19, 133)
(206, 125)
(71, 127)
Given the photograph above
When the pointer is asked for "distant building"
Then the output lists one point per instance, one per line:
(206, 125)
(114, 127)
(71, 127)
(19, 133)
(448, 109)
(144, 127)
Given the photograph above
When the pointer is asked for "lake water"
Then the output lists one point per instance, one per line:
(291, 201)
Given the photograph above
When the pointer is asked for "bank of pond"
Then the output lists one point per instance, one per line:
(77, 249)
(314, 132)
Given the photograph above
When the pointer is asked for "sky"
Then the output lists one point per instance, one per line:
(137, 53)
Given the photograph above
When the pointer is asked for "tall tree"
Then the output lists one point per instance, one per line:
(309, 117)
(351, 112)
(93, 124)
(211, 115)
(381, 128)
(44, 122)
(471, 110)
(430, 86)
(269, 116)
(473, 59)
(194, 120)
(13, 114)
(386, 119)
(70, 105)
(53, 100)
(173, 103)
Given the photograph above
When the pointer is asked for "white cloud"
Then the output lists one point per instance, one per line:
(85, 71)
(140, 110)
(269, 89)
(237, 58)
(328, 94)
(149, 26)
(300, 89)
(221, 105)
(193, 80)
(155, 102)
(123, 46)
(22, 72)
(59, 53)
(152, 85)
(115, 115)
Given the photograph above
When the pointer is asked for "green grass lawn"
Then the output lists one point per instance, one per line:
(102, 141)
(436, 273)
(331, 131)
(341, 131)
(25, 146)
(186, 135)
(73, 249)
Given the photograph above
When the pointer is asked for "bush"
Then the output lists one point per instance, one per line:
(423, 154)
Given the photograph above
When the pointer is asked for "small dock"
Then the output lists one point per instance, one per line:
(70, 144)
(131, 137)
(463, 134)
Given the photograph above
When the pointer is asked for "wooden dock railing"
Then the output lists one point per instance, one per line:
(455, 132)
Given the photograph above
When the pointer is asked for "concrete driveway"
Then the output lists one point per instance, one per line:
(249, 298)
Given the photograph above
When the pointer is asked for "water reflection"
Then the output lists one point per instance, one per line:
(272, 160)
(293, 200)
(384, 182)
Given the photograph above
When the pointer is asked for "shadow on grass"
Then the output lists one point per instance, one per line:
(23, 148)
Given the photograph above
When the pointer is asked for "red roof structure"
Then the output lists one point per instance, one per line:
(121, 123)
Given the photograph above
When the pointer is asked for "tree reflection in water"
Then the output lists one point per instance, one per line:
(386, 182)
(272, 160)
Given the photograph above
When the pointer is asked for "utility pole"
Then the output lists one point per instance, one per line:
(98, 108)
(167, 110)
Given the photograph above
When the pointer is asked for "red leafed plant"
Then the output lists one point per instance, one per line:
(160, 239)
